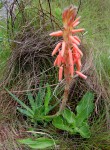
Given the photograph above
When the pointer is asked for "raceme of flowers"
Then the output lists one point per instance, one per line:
(69, 54)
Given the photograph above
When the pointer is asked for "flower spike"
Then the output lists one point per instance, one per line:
(69, 56)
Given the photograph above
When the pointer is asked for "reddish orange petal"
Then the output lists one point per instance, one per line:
(77, 30)
(78, 64)
(71, 21)
(56, 48)
(63, 48)
(60, 73)
(74, 40)
(56, 61)
(64, 14)
(57, 33)
(76, 55)
(76, 24)
(77, 19)
(81, 75)
(77, 38)
(77, 49)
(59, 59)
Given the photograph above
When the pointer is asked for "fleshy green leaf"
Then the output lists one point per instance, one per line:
(85, 107)
(68, 115)
(83, 130)
(59, 123)
(26, 141)
(47, 99)
(40, 97)
(39, 113)
(25, 112)
(31, 100)
(39, 143)
(20, 102)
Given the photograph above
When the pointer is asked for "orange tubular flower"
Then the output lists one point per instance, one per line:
(81, 75)
(77, 30)
(63, 48)
(56, 48)
(69, 57)
(60, 73)
(58, 33)
(77, 38)
(76, 20)
(75, 24)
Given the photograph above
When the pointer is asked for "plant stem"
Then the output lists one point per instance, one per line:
(65, 98)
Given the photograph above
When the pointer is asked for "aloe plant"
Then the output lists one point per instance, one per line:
(38, 107)
(69, 55)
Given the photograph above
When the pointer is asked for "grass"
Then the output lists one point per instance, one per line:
(95, 19)
(4, 47)
(1, 5)
(96, 22)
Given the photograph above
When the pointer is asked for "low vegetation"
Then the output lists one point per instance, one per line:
(29, 81)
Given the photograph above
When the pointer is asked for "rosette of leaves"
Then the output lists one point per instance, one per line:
(39, 105)
(77, 123)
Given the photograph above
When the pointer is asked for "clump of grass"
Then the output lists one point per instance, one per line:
(9, 132)
(97, 36)
(31, 57)
(31, 46)
(5, 50)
